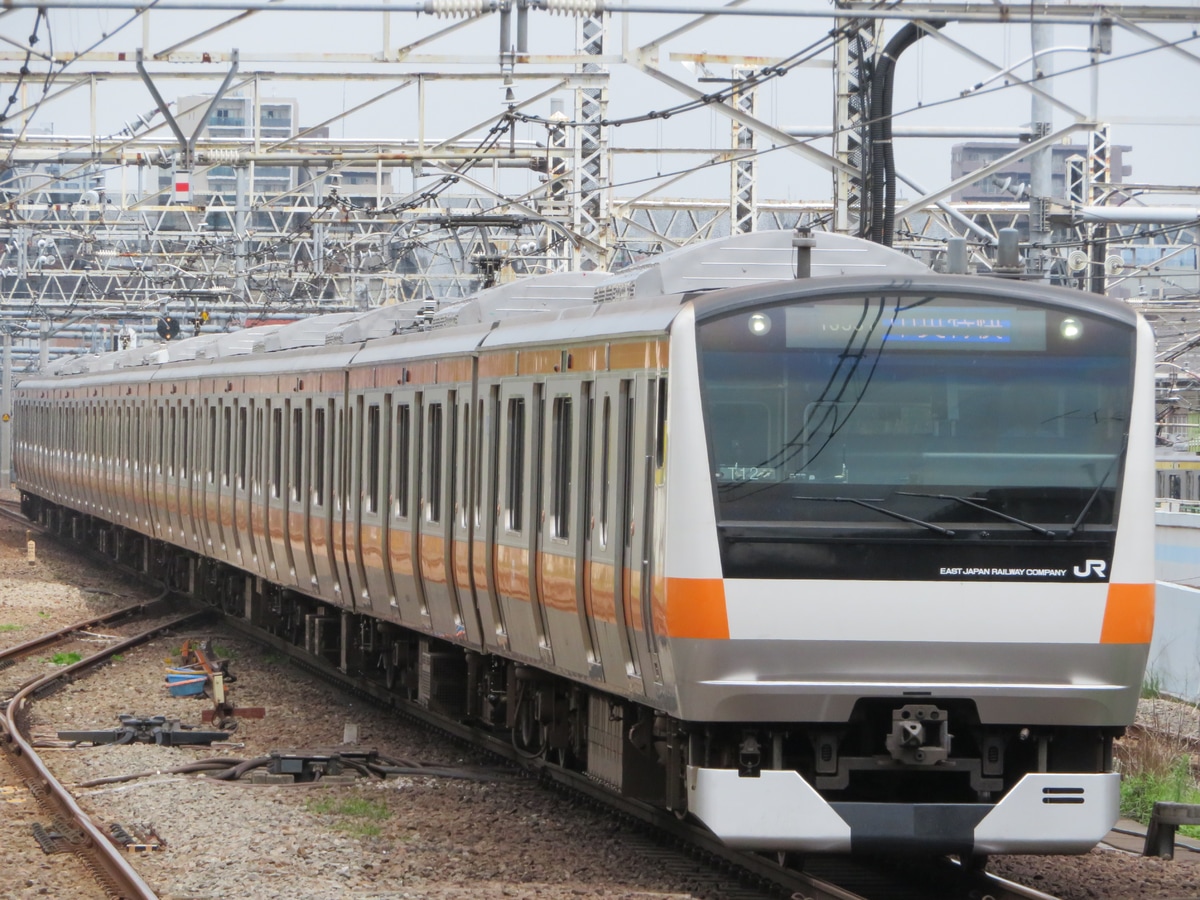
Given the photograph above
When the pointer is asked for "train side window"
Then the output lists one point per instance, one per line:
(297, 453)
(212, 445)
(660, 431)
(374, 437)
(461, 483)
(1174, 489)
(227, 444)
(276, 450)
(515, 482)
(477, 474)
(605, 467)
(433, 506)
(259, 471)
(403, 454)
(161, 430)
(560, 468)
(243, 427)
(627, 467)
(184, 446)
(339, 465)
(318, 471)
(172, 433)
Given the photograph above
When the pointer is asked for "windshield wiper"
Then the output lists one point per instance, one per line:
(979, 506)
(880, 509)
(1099, 487)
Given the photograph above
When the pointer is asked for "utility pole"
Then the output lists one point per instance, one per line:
(1040, 173)
(6, 415)
(743, 175)
(853, 53)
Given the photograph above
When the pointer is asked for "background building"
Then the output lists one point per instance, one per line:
(1012, 182)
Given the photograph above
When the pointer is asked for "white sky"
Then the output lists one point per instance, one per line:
(1150, 98)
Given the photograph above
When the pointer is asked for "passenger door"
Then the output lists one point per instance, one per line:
(608, 579)
(436, 517)
(559, 557)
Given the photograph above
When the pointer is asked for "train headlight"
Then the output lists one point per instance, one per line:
(1070, 329)
(760, 324)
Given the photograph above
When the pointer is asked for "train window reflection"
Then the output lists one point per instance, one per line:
(433, 505)
(899, 398)
(560, 474)
(403, 451)
(318, 469)
(515, 452)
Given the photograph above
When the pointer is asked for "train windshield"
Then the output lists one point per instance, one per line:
(916, 412)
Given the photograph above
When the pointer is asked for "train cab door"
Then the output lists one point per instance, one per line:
(458, 563)
(559, 559)
(607, 584)
(435, 518)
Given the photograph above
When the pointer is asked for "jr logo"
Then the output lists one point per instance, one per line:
(1092, 566)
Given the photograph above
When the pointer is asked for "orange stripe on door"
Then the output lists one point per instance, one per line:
(696, 608)
(1129, 614)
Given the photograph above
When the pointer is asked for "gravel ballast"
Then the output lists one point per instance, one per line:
(503, 836)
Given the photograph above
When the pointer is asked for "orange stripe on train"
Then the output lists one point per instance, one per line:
(1128, 614)
(696, 608)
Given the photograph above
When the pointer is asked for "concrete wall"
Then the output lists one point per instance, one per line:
(1175, 649)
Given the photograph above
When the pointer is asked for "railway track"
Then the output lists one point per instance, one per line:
(820, 878)
(69, 827)
(687, 851)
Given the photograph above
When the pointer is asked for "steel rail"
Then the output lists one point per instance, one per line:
(53, 637)
(111, 865)
(824, 881)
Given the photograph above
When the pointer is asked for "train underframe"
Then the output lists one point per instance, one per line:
(906, 755)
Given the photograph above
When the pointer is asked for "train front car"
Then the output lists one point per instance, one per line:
(913, 607)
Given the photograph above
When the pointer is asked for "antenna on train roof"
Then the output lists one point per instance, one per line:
(804, 242)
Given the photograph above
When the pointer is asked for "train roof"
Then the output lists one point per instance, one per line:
(562, 306)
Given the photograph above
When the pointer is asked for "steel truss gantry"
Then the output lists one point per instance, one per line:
(468, 207)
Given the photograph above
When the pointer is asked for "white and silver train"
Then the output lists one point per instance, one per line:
(855, 562)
